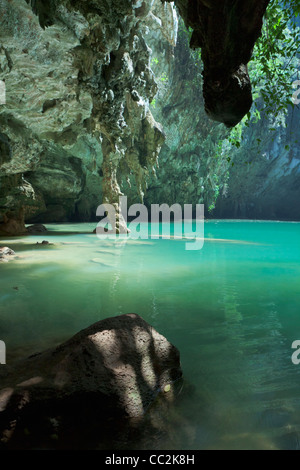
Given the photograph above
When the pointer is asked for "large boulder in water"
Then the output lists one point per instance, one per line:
(114, 369)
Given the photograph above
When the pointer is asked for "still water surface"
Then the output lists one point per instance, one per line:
(232, 309)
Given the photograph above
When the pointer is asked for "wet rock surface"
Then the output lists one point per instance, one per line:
(112, 371)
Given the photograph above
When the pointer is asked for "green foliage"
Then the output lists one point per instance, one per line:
(275, 62)
(153, 103)
(164, 77)
(273, 70)
(154, 60)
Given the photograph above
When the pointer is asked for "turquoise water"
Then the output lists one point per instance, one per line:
(232, 309)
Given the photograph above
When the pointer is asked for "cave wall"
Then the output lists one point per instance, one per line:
(197, 164)
(78, 85)
(190, 170)
(264, 180)
(102, 100)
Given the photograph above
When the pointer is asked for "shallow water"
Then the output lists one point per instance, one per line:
(232, 309)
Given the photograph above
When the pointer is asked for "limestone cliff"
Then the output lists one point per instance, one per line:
(197, 164)
(78, 85)
(95, 89)
(190, 169)
(264, 182)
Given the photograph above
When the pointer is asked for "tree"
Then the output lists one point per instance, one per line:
(274, 66)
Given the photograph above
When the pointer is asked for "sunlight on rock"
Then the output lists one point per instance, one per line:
(5, 396)
(32, 381)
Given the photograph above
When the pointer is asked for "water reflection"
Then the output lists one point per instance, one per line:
(232, 309)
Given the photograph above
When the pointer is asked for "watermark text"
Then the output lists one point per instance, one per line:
(2, 352)
(153, 223)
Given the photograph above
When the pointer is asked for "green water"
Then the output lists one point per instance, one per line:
(231, 308)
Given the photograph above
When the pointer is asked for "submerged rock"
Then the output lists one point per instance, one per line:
(114, 369)
(44, 242)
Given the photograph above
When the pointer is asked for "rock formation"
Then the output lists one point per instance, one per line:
(259, 179)
(6, 254)
(78, 84)
(226, 32)
(114, 369)
(264, 182)
(191, 169)
(77, 129)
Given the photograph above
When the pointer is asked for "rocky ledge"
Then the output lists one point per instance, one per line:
(64, 397)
